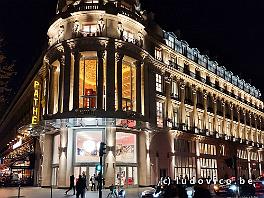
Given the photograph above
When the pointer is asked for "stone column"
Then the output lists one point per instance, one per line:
(231, 106)
(119, 60)
(259, 160)
(205, 114)
(63, 156)
(76, 96)
(61, 84)
(70, 154)
(198, 160)
(182, 105)
(194, 113)
(110, 157)
(67, 74)
(110, 77)
(138, 87)
(100, 85)
(249, 163)
(47, 77)
(47, 161)
(245, 135)
(215, 120)
(146, 90)
(238, 125)
(224, 132)
(52, 69)
(142, 157)
(168, 103)
(251, 132)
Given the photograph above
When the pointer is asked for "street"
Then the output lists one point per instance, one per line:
(36, 192)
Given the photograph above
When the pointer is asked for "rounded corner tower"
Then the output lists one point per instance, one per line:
(94, 77)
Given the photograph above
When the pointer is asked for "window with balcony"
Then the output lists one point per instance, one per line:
(158, 54)
(128, 86)
(159, 114)
(159, 83)
(88, 80)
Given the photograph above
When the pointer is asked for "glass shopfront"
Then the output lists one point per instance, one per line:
(126, 176)
(126, 147)
(87, 146)
(126, 157)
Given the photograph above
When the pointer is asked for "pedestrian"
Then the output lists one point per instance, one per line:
(72, 187)
(92, 179)
(80, 187)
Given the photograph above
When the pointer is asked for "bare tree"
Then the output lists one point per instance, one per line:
(7, 72)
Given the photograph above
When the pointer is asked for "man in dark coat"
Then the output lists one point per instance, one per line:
(72, 187)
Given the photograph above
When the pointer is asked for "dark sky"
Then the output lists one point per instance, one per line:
(231, 30)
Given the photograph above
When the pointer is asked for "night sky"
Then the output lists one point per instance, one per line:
(232, 31)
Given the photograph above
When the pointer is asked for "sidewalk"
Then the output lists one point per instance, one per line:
(37, 192)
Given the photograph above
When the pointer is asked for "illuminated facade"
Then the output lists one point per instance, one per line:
(162, 108)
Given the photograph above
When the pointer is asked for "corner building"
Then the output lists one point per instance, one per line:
(111, 74)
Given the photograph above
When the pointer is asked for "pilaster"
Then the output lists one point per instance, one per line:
(63, 156)
(47, 160)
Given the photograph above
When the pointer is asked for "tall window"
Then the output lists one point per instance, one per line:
(159, 114)
(158, 54)
(175, 118)
(88, 80)
(159, 84)
(127, 36)
(175, 90)
(89, 30)
(128, 86)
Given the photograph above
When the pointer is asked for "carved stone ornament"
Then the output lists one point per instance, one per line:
(60, 48)
(46, 60)
(71, 45)
(205, 94)
(119, 57)
(118, 45)
(182, 83)
(194, 89)
(62, 60)
(103, 43)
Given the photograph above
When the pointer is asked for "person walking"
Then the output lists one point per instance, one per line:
(93, 182)
(80, 187)
(72, 187)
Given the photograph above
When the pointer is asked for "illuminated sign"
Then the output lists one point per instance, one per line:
(36, 103)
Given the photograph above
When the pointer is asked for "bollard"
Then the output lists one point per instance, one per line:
(19, 186)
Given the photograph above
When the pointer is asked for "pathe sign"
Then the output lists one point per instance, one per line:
(36, 103)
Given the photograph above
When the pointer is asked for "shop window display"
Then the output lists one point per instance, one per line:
(126, 148)
(87, 146)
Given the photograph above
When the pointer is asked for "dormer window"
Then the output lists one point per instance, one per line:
(171, 42)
